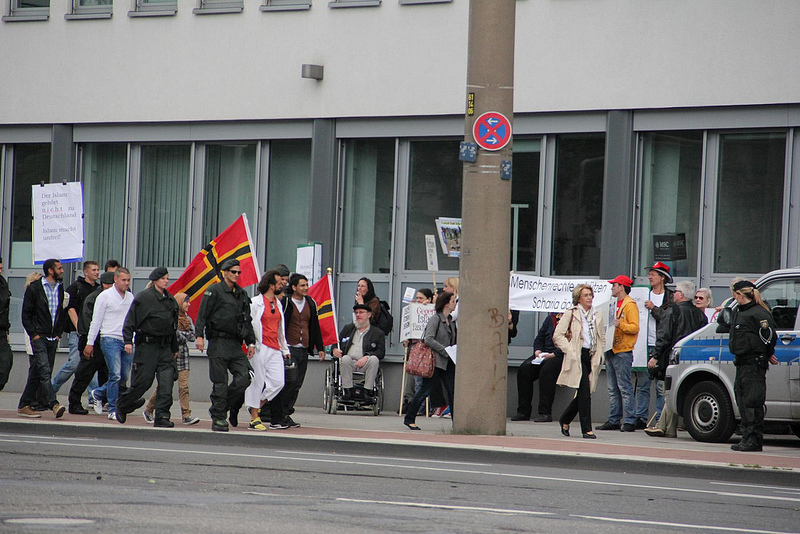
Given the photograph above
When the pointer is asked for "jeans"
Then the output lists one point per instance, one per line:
(68, 368)
(39, 373)
(119, 368)
(447, 378)
(620, 388)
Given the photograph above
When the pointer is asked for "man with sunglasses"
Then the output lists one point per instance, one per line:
(224, 318)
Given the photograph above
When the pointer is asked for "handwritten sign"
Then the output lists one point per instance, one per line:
(415, 319)
(57, 222)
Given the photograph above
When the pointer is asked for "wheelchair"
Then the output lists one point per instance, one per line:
(334, 397)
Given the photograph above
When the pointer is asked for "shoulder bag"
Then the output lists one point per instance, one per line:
(421, 359)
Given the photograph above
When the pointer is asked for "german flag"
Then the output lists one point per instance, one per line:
(203, 271)
(322, 293)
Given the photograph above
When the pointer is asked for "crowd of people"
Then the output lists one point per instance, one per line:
(258, 349)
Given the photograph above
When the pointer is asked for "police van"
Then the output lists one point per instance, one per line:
(699, 379)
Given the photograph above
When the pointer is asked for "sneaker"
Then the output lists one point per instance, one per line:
(97, 404)
(256, 424)
(288, 421)
(148, 417)
(641, 424)
(628, 427)
(543, 418)
(58, 410)
(27, 411)
(438, 411)
(655, 432)
(191, 420)
(112, 416)
(446, 412)
(219, 425)
(278, 426)
(608, 426)
(520, 417)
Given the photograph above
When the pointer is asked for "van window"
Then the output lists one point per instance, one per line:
(783, 297)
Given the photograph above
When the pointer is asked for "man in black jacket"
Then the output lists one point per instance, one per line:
(303, 336)
(43, 318)
(6, 356)
(361, 346)
(681, 319)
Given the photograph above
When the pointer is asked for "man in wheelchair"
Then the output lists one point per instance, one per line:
(361, 347)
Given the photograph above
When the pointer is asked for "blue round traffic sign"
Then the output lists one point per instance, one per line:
(492, 130)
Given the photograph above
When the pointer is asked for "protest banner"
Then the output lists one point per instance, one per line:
(414, 319)
(535, 293)
(57, 222)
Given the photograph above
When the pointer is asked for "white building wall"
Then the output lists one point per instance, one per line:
(392, 60)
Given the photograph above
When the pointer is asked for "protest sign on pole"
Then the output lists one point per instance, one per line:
(57, 222)
(414, 319)
(309, 261)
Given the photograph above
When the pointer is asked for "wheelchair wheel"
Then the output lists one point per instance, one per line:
(378, 406)
(328, 392)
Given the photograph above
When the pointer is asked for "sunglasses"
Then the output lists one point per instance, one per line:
(272, 307)
(699, 297)
(235, 272)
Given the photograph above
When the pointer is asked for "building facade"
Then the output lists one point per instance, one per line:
(633, 120)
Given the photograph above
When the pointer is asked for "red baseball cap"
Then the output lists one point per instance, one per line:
(622, 279)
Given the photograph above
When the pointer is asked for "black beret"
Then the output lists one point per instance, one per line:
(362, 307)
(158, 272)
(227, 264)
(107, 278)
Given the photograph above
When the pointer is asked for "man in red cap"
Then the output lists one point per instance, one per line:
(622, 405)
(660, 299)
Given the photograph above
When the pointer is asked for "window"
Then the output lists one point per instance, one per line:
(164, 198)
(28, 10)
(354, 3)
(154, 8)
(90, 9)
(368, 206)
(285, 5)
(289, 201)
(104, 171)
(230, 188)
(750, 188)
(31, 167)
(782, 297)
(216, 7)
(578, 206)
(434, 191)
(671, 168)
(525, 204)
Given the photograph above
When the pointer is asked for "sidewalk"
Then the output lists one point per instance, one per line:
(525, 441)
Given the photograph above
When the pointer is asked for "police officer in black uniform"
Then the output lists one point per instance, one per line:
(752, 342)
(224, 318)
(6, 356)
(152, 323)
(96, 363)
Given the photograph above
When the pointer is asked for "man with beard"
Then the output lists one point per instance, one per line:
(361, 347)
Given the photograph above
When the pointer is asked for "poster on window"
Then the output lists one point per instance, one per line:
(57, 222)
(309, 261)
(449, 231)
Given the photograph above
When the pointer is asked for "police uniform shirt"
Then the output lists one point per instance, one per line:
(153, 314)
(224, 309)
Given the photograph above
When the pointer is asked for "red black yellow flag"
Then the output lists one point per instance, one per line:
(203, 271)
(322, 293)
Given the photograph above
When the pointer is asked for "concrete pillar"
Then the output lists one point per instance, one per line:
(481, 373)
(324, 163)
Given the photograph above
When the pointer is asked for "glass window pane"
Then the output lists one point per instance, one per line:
(24, 4)
(434, 191)
(104, 184)
(31, 166)
(750, 188)
(87, 3)
(368, 202)
(525, 203)
(578, 204)
(289, 201)
(230, 188)
(164, 206)
(672, 167)
(782, 297)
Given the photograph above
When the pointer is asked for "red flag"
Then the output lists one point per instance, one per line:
(203, 271)
(322, 293)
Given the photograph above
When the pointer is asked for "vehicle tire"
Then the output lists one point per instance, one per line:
(796, 430)
(328, 391)
(708, 413)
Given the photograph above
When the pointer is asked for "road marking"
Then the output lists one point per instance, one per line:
(756, 486)
(384, 458)
(263, 494)
(679, 525)
(417, 468)
(446, 507)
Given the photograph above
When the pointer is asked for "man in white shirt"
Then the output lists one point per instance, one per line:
(659, 301)
(108, 319)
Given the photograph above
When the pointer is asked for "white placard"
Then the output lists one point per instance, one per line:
(430, 252)
(309, 261)
(639, 294)
(534, 293)
(57, 222)
(409, 294)
(414, 319)
(452, 351)
(449, 231)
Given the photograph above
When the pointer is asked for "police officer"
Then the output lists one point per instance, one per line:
(224, 318)
(6, 356)
(152, 322)
(752, 342)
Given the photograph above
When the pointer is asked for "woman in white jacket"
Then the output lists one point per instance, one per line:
(581, 335)
(268, 359)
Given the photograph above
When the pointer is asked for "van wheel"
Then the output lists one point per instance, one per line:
(708, 413)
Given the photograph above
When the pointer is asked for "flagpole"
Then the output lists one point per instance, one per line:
(252, 247)
(333, 302)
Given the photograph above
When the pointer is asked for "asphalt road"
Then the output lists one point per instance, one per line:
(61, 484)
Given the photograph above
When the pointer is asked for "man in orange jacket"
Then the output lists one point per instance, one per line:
(622, 404)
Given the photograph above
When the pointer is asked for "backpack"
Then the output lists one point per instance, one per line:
(385, 320)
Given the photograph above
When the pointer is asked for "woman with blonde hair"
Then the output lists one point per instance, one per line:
(704, 300)
(580, 334)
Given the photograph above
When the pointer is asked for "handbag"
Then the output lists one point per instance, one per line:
(421, 360)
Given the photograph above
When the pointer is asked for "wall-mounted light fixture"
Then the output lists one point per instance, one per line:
(313, 72)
